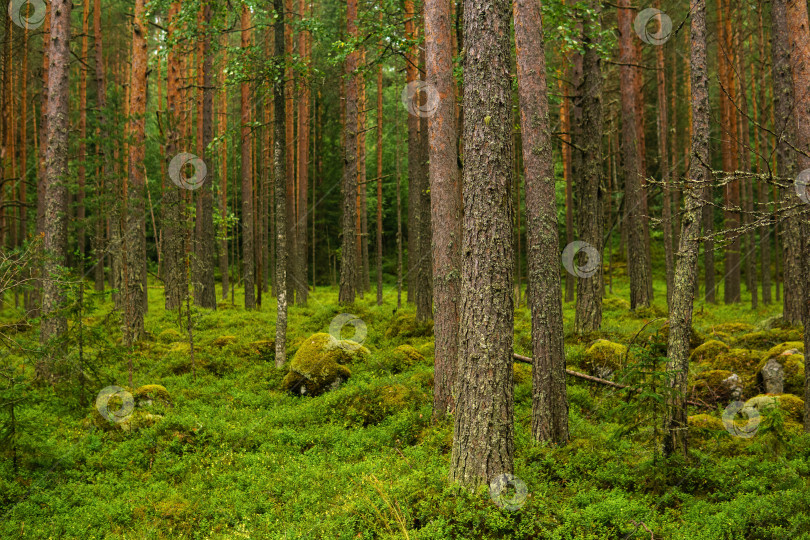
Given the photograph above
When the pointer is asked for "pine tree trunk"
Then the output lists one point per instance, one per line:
(590, 220)
(247, 180)
(54, 323)
(204, 287)
(663, 150)
(638, 255)
(445, 201)
(280, 180)
(483, 433)
(302, 288)
(174, 267)
(680, 319)
(787, 166)
(293, 274)
(348, 251)
(544, 294)
(414, 167)
(82, 168)
(103, 147)
(798, 31)
(223, 181)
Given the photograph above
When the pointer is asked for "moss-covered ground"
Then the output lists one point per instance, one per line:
(234, 456)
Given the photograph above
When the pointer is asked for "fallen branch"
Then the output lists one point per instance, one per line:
(526, 360)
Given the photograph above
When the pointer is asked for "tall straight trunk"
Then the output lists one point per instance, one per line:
(680, 319)
(638, 259)
(663, 151)
(54, 323)
(223, 179)
(204, 287)
(248, 231)
(483, 432)
(380, 165)
(787, 166)
(590, 221)
(744, 139)
(348, 253)
(82, 168)
(360, 224)
(758, 102)
(103, 147)
(174, 273)
(445, 202)
(424, 265)
(414, 168)
(566, 150)
(268, 215)
(303, 162)
(399, 210)
(728, 103)
(293, 268)
(135, 234)
(23, 224)
(280, 180)
(544, 293)
(798, 31)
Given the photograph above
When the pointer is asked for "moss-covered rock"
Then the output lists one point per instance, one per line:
(427, 349)
(793, 370)
(151, 393)
(717, 386)
(768, 338)
(709, 350)
(223, 341)
(124, 411)
(720, 336)
(318, 364)
(604, 357)
(705, 421)
(740, 361)
(170, 335)
(790, 404)
(406, 325)
(375, 404)
(733, 328)
(649, 312)
(776, 350)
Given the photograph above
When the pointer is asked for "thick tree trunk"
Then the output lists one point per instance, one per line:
(204, 288)
(54, 323)
(293, 273)
(248, 232)
(787, 170)
(544, 294)
(798, 31)
(638, 259)
(103, 147)
(483, 433)
(590, 221)
(280, 180)
(348, 252)
(174, 267)
(680, 319)
(302, 289)
(81, 231)
(446, 204)
(663, 151)
(135, 234)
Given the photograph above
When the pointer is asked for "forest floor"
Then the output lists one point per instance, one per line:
(234, 456)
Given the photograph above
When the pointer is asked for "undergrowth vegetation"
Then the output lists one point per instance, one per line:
(230, 454)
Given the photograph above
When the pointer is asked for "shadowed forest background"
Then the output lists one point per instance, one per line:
(404, 269)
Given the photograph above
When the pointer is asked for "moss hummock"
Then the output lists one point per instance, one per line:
(604, 357)
(318, 364)
(786, 346)
(170, 335)
(709, 350)
(378, 402)
(790, 404)
(406, 325)
(149, 393)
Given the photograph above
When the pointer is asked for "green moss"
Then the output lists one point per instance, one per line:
(792, 405)
(318, 364)
(521, 373)
(768, 338)
(149, 393)
(424, 379)
(170, 335)
(264, 349)
(604, 356)
(378, 402)
(649, 312)
(705, 421)
(793, 367)
(222, 341)
(709, 386)
(695, 339)
(709, 350)
(740, 361)
(615, 304)
(732, 328)
(406, 325)
(427, 349)
(782, 347)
